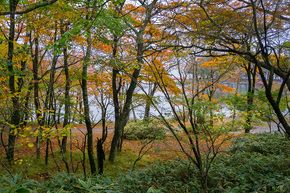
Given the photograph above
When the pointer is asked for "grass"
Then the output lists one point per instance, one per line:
(38, 170)
(254, 163)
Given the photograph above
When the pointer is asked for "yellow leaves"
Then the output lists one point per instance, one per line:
(36, 132)
(14, 131)
(30, 145)
(19, 161)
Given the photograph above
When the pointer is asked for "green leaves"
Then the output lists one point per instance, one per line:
(152, 190)
(144, 130)
(22, 190)
(15, 184)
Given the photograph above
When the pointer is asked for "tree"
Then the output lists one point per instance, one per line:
(121, 118)
(90, 16)
(15, 117)
(250, 29)
(204, 142)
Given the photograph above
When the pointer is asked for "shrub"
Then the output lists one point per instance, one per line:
(144, 130)
(254, 163)
(264, 143)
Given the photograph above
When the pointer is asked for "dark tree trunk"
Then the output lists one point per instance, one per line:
(122, 119)
(117, 131)
(148, 102)
(274, 104)
(101, 156)
(80, 107)
(67, 97)
(15, 118)
(49, 101)
(36, 94)
(251, 74)
(86, 107)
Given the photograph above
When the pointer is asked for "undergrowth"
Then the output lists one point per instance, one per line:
(151, 129)
(254, 163)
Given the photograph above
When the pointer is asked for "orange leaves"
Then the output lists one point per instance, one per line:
(155, 72)
(104, 47)
(100, 82)
(208, 64)
(225, 88)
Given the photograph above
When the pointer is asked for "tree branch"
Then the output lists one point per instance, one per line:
(34, 6)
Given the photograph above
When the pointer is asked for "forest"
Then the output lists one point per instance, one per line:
(144, 96)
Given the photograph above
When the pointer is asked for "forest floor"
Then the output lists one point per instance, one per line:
(158, 150)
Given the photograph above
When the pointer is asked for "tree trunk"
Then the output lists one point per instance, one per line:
(49, 101)
(250, 96)
(148, 102)
(101, 156)
(81, 110)
(15, 118)
(86, 106)
(121, 119)
(36, 95)
(67, 97)
(274, 104)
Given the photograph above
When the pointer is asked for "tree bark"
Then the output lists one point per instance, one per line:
(15, 118)
(86, 106)
(251, 74)
(67, 97)
(122, 119)
(49, 101)
(36, 94)
(101, 156)
(148, 102)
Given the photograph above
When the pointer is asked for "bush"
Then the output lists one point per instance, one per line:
(254, 163)
(144, 130)
(264, 143)
(177, 176)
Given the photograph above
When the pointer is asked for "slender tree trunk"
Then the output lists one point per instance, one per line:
(36, 95)
(210, 97)
(15, 118)
(274, 104)
(86, 106)
(211, 114)
(250, 96)
(148, 102)
(49, 101)
(117, 131)
(67, 97)
(81, 110)
(122, 119)
(234, 110)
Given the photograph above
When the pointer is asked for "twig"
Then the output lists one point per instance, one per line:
(6, 168)
(26, 167)
(140, 155)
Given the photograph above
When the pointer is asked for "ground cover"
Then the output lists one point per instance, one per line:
(247, 163)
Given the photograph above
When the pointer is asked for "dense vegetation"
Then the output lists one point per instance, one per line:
(253, 163)
(95, 88)
(144, 130)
